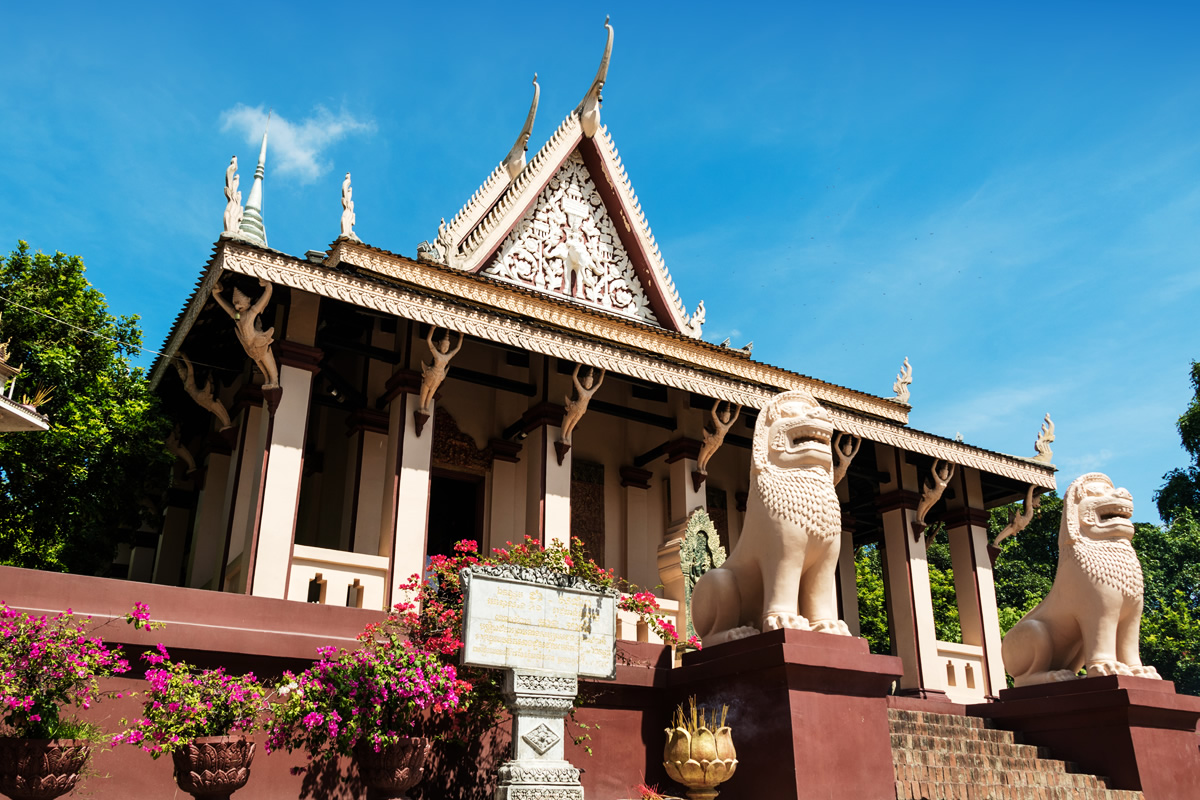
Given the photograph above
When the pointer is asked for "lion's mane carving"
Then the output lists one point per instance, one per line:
(781, 572)
(1093, 612)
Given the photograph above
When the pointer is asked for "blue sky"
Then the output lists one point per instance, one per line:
(1009, 195)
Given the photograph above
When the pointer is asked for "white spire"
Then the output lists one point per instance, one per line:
(252, 227)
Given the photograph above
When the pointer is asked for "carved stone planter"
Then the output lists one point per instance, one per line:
(40, 769)
(213, 767)
(395, 769)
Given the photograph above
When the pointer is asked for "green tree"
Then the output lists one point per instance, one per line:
(1170, 559)
(68, 496)
(1182, 486)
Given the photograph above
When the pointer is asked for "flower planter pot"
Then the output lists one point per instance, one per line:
(213, 767)
(40, 769)
(395, 769)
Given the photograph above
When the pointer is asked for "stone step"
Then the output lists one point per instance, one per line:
(918, 758)
(906, 741)
(906, 790)
(953, 732)
(931, 718)
(948, 757)
(924, 773)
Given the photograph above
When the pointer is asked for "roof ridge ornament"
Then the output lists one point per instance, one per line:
(348, 217)
(233, 199)
(1045, 436)
(589, 108)
(252, 228)
(903, 381)
(514, 162)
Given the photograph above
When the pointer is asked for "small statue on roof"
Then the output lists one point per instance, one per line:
(1045, 436)
(348, 211)
(233, 197)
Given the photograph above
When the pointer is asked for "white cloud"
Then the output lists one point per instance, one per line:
(294, 147)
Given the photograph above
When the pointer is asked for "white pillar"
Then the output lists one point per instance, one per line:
(370, 442)
(270, 555)
(406, 517)
(686, 496)
(172, 541)
(635, 483)
(907, 574)
(504, 519)
(211, 521)
(245, 488)
(967, 526)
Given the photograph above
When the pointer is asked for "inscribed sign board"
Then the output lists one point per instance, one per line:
(553, 623)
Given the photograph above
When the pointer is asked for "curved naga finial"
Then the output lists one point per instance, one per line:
(589, 109)
(903, 381)
(514, 162)
(1042, 445)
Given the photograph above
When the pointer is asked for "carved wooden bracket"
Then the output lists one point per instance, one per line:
(698, 478)
(561, 449)
(419, 420)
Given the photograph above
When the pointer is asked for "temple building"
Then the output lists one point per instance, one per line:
(533, 371)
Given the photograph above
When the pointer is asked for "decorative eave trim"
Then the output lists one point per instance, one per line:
(475, 243)
(187, 317)
(640, 228)
(915, 441)
(598, 325)
(558, 341)
(480, 203)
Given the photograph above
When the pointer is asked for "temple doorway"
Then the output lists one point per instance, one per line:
(455, 511)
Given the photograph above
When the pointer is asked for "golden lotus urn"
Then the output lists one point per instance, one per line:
(699, 752)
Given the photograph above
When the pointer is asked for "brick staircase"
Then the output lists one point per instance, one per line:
(950, 757)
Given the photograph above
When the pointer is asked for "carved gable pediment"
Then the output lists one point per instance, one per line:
(567, 245)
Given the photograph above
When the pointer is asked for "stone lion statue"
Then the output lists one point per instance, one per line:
(1093, 612)
(781, 572)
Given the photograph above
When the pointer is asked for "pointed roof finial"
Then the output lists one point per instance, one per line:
(514, 162)
(252, 227)
(589, 109)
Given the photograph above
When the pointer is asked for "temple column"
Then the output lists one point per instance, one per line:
(907, 574)
(406, 517)
(369, 443)
(548, 484)
(635, 483)
(967, 525)
(269, 565)
(172, 541)
(243, 489)
(505, 494)
(212, 513)
(847, 577)
(687, 494)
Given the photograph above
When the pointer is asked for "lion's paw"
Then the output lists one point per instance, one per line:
(834, 626)
(744, 632)
(1098, 668)
(1146, 671)
(773, 622)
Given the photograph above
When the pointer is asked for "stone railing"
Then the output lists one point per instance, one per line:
(629, 629)
(965, 679)
(338, 578)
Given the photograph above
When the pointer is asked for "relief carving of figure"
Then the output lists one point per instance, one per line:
(1092, 615)
(206, 397)
(584, 389)
(233, 205)
(781, 572)
(433, 373)
(722, 421)
(248, 327)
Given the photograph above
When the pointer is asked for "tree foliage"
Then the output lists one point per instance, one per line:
(1182, 486)
(68, 496)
